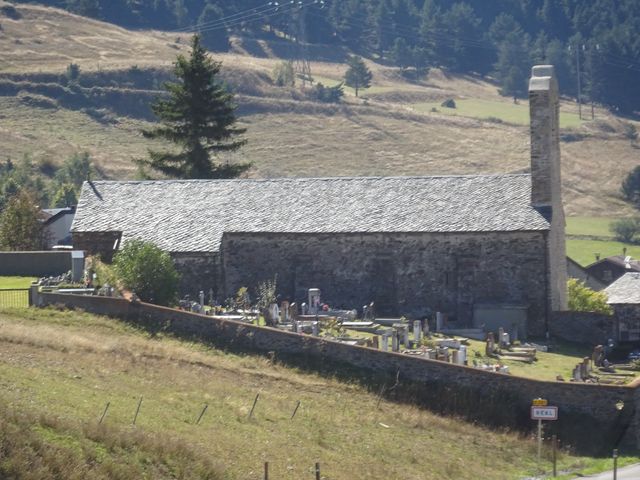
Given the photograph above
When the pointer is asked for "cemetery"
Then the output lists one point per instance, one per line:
(500, 351)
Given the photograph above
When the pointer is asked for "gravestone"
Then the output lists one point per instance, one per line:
(314, 301)
(586, 363)
(439, 321)
(455, 357)
(463, 354)
(284, 312)
(598, 355)
(576, 374)
(274, 313)
(500, 340)
(293, 311)
(395, 341)
(201, 295)
(490, 346)
(385, 341)
(417, 331)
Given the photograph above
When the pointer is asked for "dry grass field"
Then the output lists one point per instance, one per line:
(58, 369)
(387, 133)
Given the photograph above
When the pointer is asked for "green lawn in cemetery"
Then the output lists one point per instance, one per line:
(16, 282)
(490, 109)
(560, 360)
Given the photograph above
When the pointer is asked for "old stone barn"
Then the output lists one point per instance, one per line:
(462, 245)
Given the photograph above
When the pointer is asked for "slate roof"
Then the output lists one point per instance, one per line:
(625, 290)
(619, 261)
(192, 215)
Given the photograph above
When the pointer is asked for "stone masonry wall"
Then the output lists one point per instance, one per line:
(628, 316)
(405, 274)
(198, 271)
(96, 243)
(583, 327)
(588, 418)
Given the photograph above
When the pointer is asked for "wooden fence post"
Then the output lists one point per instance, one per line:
(104, 413)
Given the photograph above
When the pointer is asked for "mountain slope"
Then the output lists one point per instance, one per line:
(400, 129)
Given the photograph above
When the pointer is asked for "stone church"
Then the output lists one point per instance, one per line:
(477, 247)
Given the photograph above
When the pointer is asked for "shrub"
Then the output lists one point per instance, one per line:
(630, 132)
(327, 94)
(583, 299)
(73, 72)
(11, 12)
(20, 226)
(631, 186)
(283, 74)
(147, 271)
(449, 103)
(625, 229)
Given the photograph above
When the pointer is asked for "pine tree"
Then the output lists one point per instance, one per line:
(358, 75)
(199, 117)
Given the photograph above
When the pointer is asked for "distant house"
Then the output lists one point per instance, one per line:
(413, 245)
(57, 222)
(609, 269)
(624, 297)
(577, 271)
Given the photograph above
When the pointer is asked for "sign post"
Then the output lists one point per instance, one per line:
(541, 411)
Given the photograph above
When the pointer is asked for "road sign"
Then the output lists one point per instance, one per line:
(539, 402)
(544, 413)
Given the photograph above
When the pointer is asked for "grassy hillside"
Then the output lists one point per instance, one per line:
(588, 237)
(60, 368)
(392, 132)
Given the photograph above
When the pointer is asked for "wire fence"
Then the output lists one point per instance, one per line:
(14, 297)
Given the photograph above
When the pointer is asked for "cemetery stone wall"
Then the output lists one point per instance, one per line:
(412, 274)
(588, 420)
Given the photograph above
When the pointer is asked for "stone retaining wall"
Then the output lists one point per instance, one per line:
(589, 420)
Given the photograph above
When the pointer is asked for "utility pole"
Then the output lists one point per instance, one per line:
(302, 64)
(579, 87)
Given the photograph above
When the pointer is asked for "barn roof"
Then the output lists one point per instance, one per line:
(192, 215)
(624, 290)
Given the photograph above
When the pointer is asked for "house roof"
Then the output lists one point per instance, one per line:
(192, 215)
(625, 290)
(620, 261)
(50, 215)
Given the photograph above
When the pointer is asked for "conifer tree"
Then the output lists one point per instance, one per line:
(358, 75)
(199, 117)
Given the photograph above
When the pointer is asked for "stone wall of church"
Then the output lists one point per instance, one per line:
(199, 271)
(403, 273)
